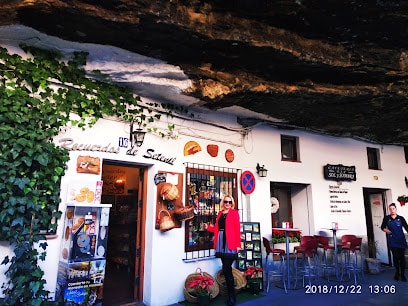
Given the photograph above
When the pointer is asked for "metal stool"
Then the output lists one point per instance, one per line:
(324, 244)
(350, 261)
(310, 267)
(300, 250)
(271, 269)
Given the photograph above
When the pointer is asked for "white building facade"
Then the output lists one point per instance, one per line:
(371, 177)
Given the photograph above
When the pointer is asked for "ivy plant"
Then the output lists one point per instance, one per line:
(38, 95)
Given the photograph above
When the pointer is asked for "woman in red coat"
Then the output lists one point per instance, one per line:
(227, 241)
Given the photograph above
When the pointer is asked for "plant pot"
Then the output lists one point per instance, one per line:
(254, 285)
(203, 299)
(283, 246)
(373, 265)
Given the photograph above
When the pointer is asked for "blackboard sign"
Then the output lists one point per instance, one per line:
(339, 172)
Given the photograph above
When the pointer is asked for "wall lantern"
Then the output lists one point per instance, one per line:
(262, 172)
(137, 136)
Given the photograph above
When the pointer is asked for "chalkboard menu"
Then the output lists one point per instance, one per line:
(251, 252)
(339, 172)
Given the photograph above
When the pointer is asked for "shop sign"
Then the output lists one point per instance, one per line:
(159, 157)
(70, 145)
(132, 151)
(339, 172)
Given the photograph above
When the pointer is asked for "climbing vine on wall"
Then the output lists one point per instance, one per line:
(38, 96)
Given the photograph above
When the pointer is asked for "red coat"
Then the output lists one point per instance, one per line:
(232, 229)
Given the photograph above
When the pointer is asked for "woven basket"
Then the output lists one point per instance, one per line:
(166, 222)
(240, 281)
(169, 192)
(214, 290)
(184, 213)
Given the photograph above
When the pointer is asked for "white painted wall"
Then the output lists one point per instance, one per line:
(164, 267)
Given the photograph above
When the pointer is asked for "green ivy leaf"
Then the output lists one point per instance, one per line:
(42, 159)
(31, 165)
(22, 182)
(18, 221)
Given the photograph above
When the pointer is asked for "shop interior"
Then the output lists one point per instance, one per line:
(121, 189)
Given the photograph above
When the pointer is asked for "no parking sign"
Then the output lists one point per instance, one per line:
(247, 182)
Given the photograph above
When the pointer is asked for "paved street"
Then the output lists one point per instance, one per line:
(364, 294)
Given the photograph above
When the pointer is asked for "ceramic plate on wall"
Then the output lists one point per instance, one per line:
(101, 251)
(229, 155)
(102, 233)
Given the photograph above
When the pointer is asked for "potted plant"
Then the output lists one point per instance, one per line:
(200, 286)
(279, 240)
(402, 199)
(278, 236)
(254, 278)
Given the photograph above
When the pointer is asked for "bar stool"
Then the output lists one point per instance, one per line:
(324, 244)
(310, 267)
(346, 240)
(350, 259)
(271, 270)
(300, 249)
(345, 244)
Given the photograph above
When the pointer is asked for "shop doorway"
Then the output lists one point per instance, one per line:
(294, 206)
(375, 209)
(284, 213)
(124, 188)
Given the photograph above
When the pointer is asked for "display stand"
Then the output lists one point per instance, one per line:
(251, 251)
(81, 269)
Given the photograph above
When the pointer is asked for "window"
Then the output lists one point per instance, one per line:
(289, 148)
(373, 157)
(406, 153)
(205, 186)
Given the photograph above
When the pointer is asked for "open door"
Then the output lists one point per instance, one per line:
(140, 226)
(124, 187)
(374, 202)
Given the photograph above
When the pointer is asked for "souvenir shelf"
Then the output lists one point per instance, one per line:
(205, 187)
(204, 194)
(121, 251)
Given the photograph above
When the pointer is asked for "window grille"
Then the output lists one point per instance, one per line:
(205, 187)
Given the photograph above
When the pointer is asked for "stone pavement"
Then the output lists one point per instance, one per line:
(379, 289)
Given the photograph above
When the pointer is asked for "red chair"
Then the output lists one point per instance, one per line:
(324, 244)
(345, 241)
(270, 250)
(279, 271)
(302, 246)
(350, 260)
(311, 265)
(345, 245)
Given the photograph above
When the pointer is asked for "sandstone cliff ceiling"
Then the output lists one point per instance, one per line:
(336, 66)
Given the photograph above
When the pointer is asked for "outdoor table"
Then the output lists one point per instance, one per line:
(287, 230)
(334, 230)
